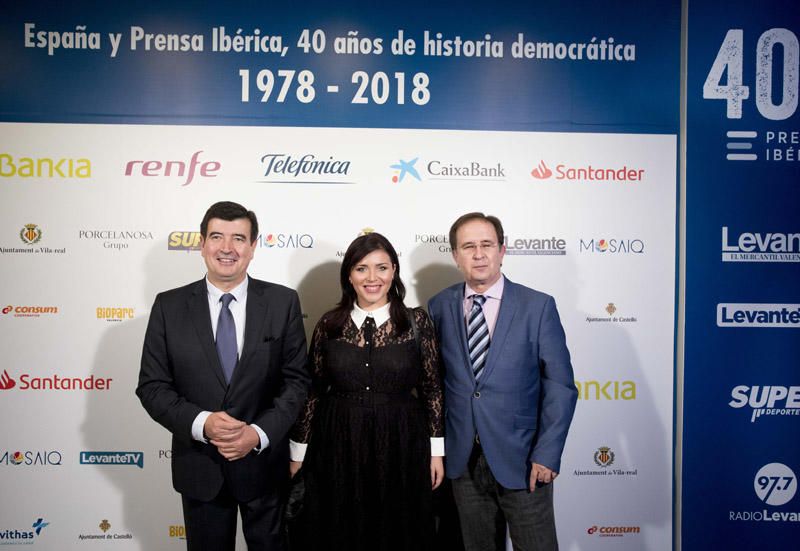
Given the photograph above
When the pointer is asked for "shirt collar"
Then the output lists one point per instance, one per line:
(495, 291)
(381, 315)
(239, 292)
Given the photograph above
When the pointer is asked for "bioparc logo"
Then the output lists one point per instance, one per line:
(104, 527)
(32, 458)
(611, 310)
(306, 168)
(775, 484)
(758, 315)
(587, 173)
(177, 531)
(613, 531)
(604, 459)
(611, 246)
(448, 169)
(15, 536)
(55, 382)
(114, 313)
(760, 247)
(183, 170)
(285, 241)
(29, 311)
(134, 459)
(767, 401)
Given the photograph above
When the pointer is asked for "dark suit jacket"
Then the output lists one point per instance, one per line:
(181, 376)
(522, 404)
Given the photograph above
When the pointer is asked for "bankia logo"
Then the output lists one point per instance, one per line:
(775, 484)
(184, 240)
(611, 246)
(538, 246)
(22, 536)
(587, 173)
(183, 170)
(55, 382)
(606, 390)
(305, 168)
(135, 459)
(758, 315)
(760, 247)
(44, 167)
(767, 400)
(285, 241)
(32, 458)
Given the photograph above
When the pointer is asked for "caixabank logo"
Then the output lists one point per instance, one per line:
(28, 382)
(447, 169)
(23, 535)
(775, 485)
(592, 173)
(760, 246)
(767, 400)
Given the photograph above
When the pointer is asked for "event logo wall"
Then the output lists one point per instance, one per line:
(775, 484)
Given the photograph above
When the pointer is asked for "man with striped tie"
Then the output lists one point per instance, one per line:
(509, 394)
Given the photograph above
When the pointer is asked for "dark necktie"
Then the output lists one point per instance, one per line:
(227, 350)
(477, 335)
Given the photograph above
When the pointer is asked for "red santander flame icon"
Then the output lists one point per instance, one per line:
(6, 381)
(541, 172)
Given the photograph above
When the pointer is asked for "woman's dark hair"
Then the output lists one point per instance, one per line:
(358, 249)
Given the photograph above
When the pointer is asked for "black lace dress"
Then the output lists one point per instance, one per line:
(374, 404)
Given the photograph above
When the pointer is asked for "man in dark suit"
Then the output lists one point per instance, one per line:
(509, 394)
(223, 369)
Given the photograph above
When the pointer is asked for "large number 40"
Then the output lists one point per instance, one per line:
(730, 57)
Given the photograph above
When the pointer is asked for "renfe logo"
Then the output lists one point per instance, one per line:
(207, 169)
(758, 315)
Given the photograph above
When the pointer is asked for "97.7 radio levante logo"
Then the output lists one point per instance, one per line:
(775, 485)
(775, 92)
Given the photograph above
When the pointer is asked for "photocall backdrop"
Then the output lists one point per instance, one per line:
(121, 125)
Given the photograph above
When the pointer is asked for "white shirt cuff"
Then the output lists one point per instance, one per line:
(262, 436)
(198, 425)
(437, 446)
(297, 450)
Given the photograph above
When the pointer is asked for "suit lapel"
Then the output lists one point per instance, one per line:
(254, 323)
(201, 318)
(508, 308)
(457, 313)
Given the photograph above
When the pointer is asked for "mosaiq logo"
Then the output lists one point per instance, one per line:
(307, 168)
(775, 484)
(760, 247)
(32, 458)
(612, 246)
(767, 400)
(285, 241)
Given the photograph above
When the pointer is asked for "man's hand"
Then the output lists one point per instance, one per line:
(437, 471)
(239, 446)
(540, 473)
(222, 427)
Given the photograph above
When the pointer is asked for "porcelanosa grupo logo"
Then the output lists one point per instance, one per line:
(587, 173)
(116, 239)
(767, 400)
(280, 168)
(760, 247)
(775, 485)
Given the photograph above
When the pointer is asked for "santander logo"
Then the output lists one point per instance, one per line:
(541, 172)
(6, 382)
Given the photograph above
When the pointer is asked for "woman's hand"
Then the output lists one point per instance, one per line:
(294, 466)
(437, 471)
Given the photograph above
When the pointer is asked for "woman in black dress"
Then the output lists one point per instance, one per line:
(373, 420)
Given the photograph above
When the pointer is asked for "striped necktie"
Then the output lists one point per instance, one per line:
(477, 335)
